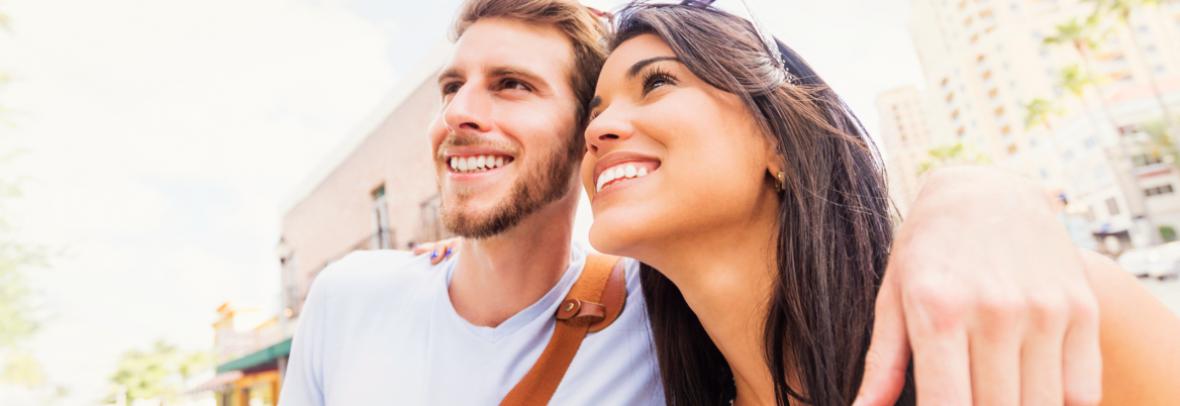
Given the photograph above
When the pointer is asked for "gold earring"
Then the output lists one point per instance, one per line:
(780, 181)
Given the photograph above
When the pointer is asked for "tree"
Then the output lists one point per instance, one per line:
(953, 154)
(1122, 10)
(160, 372)
(1037, 112)
(18, 321)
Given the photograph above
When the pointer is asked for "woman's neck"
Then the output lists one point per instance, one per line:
(727, 277)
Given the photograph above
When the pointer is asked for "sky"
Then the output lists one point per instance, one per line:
(160, 140)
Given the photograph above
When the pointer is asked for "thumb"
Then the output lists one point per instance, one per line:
(889, 352)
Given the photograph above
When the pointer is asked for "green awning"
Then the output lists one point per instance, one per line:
(257, 358)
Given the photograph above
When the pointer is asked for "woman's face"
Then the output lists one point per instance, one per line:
(669, 156)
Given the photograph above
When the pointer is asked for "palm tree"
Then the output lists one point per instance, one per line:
(1037, 112)
(1122, 11)
(1082, 35)
(955, 153)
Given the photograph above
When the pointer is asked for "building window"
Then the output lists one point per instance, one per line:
(382, 235)
(430, 212)
(1158, 190)
(1139, 160)
(1112, 206)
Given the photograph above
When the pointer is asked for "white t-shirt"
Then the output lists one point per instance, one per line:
(378, 328)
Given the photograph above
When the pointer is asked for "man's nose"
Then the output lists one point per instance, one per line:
(468, 110)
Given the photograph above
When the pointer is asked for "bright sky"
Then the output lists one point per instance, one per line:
(161, 138)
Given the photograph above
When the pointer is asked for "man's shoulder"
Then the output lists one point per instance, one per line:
(376, 271)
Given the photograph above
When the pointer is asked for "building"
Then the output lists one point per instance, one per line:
(985, 62)
(906, 135)
(377, 191)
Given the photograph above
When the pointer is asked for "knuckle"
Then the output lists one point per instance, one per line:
(937, 306)
(1002, 306)
(1047, 311)
(1083, 307)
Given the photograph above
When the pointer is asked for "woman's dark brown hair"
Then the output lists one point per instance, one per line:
(834, 221)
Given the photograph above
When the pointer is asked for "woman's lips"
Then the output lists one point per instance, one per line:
(624, 171)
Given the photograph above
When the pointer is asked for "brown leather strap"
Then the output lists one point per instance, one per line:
(593, 303)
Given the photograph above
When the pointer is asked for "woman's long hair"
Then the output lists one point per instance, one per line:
(834, 220)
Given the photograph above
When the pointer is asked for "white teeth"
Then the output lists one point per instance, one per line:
(618, 172)
(476, 163)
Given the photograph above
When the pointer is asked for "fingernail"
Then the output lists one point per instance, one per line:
(433, 254)
(448, 251)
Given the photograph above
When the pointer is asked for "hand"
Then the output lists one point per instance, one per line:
(439, 250)
(987, 290)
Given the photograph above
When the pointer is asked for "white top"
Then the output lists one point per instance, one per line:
(378, 327)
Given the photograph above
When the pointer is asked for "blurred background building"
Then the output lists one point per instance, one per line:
(1081, 96)
(377, 191)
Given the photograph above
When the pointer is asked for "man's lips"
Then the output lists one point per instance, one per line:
(471, 160)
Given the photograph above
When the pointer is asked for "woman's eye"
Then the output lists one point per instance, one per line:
(656, 80)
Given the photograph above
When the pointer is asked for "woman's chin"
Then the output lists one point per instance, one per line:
(613, 240)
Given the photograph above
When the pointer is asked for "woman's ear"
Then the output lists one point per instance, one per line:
(776, 168)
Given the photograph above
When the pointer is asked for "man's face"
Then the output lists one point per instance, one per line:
(503, 142)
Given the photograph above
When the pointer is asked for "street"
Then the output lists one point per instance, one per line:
(1167, 291)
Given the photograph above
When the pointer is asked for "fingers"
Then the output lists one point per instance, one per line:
(995, 345)
(934, 321)
(440, 253)
(888, 355)
(1041, 364)
(1082, 373)
(423, 248)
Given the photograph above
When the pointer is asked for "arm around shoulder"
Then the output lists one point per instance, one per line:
(1140, 338)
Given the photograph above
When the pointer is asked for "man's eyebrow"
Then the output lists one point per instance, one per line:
(634, 70)
(449, 73)
(517, 71)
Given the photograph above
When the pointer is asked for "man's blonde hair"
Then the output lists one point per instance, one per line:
(579, 23)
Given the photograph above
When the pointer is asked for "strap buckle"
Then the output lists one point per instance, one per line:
(581, 311)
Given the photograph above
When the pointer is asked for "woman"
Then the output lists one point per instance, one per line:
(754, 199)
(801, 245)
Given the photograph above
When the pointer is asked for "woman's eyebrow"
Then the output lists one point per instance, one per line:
(634, 70)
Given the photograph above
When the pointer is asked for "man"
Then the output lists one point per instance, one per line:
(386, 327)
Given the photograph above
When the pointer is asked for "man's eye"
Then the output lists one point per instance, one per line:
(513, 84)
(450, 88)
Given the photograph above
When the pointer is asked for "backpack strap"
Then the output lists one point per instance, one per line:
(592, 304)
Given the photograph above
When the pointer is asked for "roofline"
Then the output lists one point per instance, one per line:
(426, 67)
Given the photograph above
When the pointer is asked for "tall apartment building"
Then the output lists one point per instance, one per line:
(985, 60)
(906, 134)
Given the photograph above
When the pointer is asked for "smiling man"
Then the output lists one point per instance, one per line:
(387, 327)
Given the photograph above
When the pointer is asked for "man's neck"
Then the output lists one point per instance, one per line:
(499, 276)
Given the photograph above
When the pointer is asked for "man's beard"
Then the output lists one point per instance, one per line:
(537, 187)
